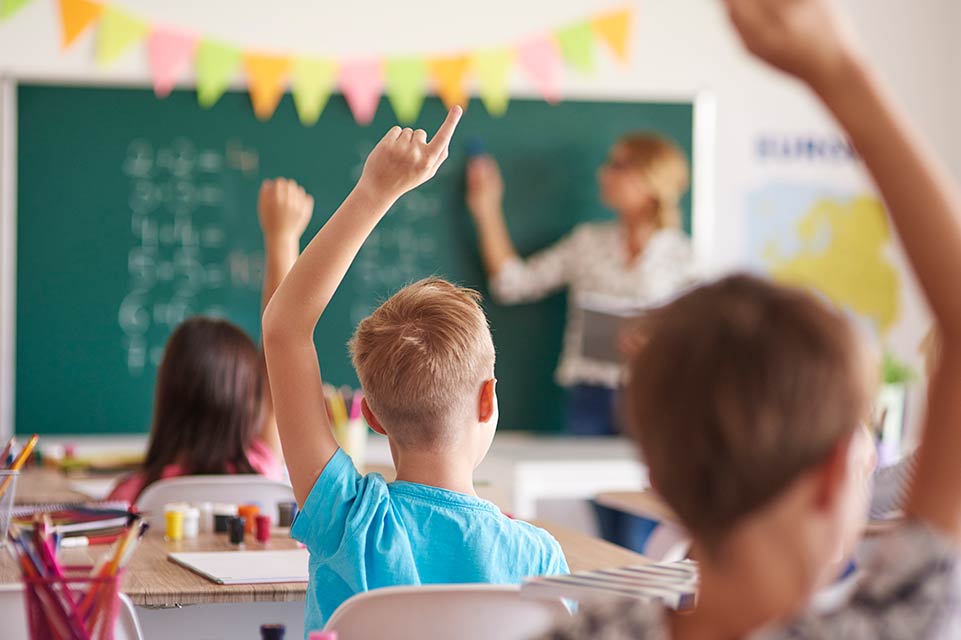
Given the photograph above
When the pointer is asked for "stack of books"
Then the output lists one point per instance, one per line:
(672, 583)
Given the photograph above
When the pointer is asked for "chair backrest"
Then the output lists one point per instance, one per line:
(462, 611)
(13, 615)
(236, 489)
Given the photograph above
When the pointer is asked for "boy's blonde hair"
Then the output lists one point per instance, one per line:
(741, 386)
(665, 170)
(422, 357)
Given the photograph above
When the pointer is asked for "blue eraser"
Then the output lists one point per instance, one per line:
(475, 147)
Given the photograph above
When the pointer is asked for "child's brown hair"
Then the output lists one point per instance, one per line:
(208, 400)
(741, 386)
(422, 357)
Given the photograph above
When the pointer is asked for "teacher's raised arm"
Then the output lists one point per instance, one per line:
(639, 259)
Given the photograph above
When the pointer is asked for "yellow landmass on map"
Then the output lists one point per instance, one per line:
(842, 256)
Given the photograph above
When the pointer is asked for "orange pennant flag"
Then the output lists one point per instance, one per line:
(266, 81)
(75, 17)
(614, 29)
(449, 75)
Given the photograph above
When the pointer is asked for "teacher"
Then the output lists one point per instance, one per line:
(639, 260)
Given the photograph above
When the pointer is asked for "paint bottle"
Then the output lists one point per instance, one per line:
(263, 528)
(249, 513)
(191, 522)
(174, 521)
(206, 524)
(272, 631)
(222, 515)
(286, 511)
(235, 529)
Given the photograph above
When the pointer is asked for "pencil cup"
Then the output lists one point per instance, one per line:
(8, 488)
(76, 606)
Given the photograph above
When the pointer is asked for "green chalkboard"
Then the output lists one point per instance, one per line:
(135, 212)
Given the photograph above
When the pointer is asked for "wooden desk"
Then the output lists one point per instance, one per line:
(645, 504)
(45, 486)
(585, 553)
(153, 581)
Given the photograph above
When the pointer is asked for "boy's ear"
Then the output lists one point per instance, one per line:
(488, 401)
(371, 418)
(832, 474)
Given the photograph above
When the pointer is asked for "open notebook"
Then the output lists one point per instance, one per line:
(246, 567)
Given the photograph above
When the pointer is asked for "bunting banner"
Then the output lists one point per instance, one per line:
(9, 7)
(266, 79)
(542, 57)
(75, 17)
(450, 76)
(118, 32)
(541, 60)
(312, 83)
(169, 53)
(362, 82)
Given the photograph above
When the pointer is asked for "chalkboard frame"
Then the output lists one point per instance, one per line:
(703, 196)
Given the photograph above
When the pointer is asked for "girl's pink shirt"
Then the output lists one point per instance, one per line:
(259, 454)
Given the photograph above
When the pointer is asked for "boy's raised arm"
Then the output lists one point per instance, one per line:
(808, 39)
(401, 161)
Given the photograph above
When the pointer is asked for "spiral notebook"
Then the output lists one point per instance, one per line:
(246, 567)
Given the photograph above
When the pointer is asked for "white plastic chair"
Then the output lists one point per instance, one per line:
(13, 615)
(462, 611)
(235, 489)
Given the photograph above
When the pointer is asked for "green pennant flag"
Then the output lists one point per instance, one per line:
(493, 67)
(10, 7)
(406, 81)
(311, 82)
(216, 65)
(577, 46)
(118, 32)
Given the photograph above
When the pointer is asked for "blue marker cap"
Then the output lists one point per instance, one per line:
(475, 147)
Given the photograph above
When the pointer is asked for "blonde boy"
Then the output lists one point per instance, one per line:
(425, 359)
(747, 399)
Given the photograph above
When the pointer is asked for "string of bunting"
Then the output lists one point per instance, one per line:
(404, 79)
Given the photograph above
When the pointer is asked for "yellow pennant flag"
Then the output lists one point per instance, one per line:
(75, 17)
(118, 32)
(614, 28)
(266, 80)
(311, 82)
(449, 75)
(492, 68)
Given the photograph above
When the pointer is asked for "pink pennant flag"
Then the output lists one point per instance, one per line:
(170, 53)
(540, 58)
(362, 82)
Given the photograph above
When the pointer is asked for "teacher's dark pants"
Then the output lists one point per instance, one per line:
(591, 411)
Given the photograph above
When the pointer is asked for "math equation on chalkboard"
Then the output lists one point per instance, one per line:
(180, 251)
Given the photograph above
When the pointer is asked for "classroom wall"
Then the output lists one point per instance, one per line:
(682, 46)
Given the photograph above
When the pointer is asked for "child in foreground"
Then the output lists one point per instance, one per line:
(765, 468)
(212, 411)
(425, 359)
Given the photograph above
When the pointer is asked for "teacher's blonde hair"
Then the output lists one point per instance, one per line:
(665, 169)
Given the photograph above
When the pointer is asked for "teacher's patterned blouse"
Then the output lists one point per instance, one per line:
(592, 262)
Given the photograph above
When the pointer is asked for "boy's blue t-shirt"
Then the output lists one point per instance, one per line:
(363, 533)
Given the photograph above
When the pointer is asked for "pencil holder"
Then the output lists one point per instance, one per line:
(75, 607)
(8, 488)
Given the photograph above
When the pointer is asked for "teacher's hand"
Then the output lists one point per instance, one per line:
(485, 188)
